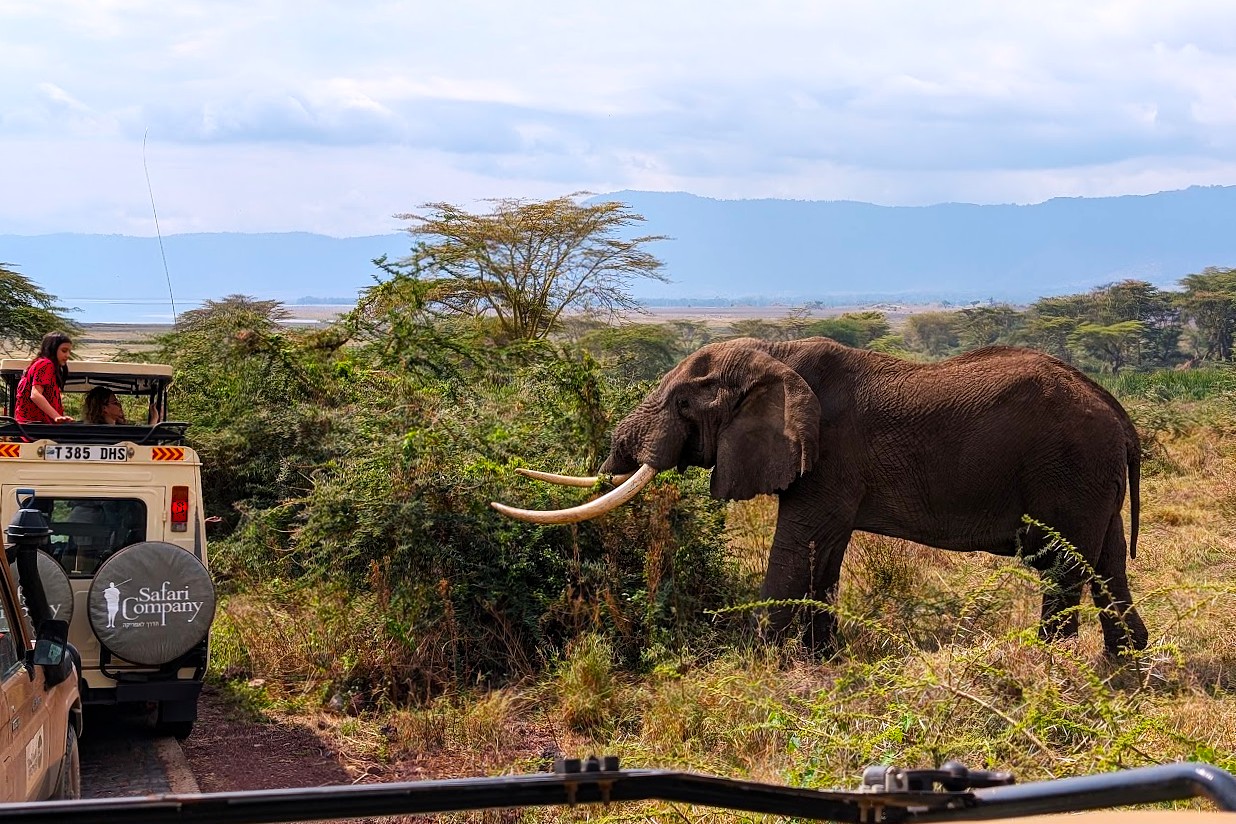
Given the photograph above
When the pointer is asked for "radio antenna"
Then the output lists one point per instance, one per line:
(158, 233)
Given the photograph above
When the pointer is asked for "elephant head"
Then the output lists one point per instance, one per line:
(731, 406)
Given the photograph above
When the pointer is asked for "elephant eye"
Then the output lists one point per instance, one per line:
(683, 404)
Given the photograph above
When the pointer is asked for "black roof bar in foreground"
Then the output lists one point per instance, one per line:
(603, 782)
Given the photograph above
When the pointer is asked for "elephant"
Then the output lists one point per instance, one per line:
(951, 454)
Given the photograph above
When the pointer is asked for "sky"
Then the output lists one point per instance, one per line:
(135, 116)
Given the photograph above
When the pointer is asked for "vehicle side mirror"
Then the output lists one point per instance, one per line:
(51, 651)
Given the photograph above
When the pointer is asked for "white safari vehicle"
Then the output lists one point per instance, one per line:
(127, 556)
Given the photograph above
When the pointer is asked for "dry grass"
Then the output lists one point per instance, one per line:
(941, 661)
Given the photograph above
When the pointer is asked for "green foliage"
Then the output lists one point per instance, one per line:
(1113, 344)
(857, 329)
(987, 325)
(395, 326)
(588, 686)
(1012, 703)
(759, 328)
(400, 511)
(1166, 403)
(1125, 324)
(1169, 385)
(933, 333)
(637, 352)
(259, 397)
(1209, 302)
(27, 313)
(1129, 324)
(528, 262)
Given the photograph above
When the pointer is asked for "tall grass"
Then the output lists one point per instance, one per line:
(940, 658)
(1167, 385)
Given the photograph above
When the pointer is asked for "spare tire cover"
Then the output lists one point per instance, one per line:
(56, 587)
(151, 602)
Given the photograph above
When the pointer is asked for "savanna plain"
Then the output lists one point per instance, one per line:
(377, 605)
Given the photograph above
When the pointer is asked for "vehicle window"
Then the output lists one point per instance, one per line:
(9, 659)
(86, 531)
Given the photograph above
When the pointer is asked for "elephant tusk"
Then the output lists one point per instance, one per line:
(573, 480)
(598, 506)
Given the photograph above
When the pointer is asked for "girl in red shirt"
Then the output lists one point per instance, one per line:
(38, 394)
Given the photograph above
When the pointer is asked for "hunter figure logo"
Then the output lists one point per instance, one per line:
(142, 609)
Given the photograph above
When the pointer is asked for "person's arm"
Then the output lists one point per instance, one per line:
(41, 401)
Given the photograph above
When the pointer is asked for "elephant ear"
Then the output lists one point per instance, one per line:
(774, 436)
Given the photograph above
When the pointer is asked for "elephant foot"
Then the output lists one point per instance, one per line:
(821, 634)
(815, 626)
(1122, 633)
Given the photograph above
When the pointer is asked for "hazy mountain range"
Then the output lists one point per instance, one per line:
(757, 251)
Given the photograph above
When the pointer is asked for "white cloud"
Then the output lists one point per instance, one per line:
(330, 116)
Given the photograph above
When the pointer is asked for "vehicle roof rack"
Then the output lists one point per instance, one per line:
(165, 433)
(974, 796)
(119, 376)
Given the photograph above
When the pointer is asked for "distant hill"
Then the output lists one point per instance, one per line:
(755, 251)
(118, 278)
(839, 251)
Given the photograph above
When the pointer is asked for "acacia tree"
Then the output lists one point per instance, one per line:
(527, 262)
(27, 313)
(1114, 344)
(984, 325)
(933, 332)
(1209, 303)
(1067, 325)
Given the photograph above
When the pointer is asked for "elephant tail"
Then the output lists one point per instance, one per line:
(1134, 457)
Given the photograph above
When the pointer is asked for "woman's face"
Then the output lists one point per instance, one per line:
(63, 351)
(113, 412)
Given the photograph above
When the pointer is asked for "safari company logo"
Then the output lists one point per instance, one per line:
(148, 607)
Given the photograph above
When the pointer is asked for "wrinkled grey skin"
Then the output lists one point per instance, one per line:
(949, 454)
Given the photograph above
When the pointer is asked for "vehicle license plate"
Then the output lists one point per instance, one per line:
(84, 452)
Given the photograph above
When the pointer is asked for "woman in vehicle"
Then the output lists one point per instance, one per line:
(38, 393)
(102, 406)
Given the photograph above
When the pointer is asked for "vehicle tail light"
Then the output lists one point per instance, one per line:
(180, 508)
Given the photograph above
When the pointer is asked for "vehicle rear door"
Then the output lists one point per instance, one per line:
(59, 500)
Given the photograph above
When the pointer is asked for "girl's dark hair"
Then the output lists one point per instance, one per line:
(47, 349)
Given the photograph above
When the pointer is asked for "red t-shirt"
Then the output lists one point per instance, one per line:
(42, 372)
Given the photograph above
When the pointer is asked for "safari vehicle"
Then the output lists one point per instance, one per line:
(124, 502)
(41, 710)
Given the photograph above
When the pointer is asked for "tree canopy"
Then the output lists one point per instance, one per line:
(527, 262)
(27, 313)
(1209, 302)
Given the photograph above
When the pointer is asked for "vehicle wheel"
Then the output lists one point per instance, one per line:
(69, 782)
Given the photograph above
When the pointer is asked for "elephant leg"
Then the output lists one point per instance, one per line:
(1064, 576)
(1060, 602)
(821, 635)
(1122, 626)
(804, 565)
